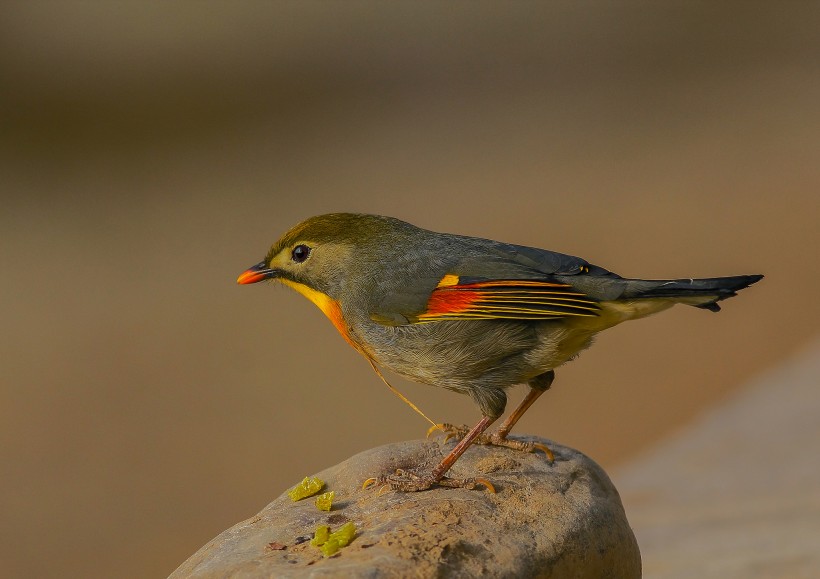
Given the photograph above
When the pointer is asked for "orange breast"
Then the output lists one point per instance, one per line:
(329, 306)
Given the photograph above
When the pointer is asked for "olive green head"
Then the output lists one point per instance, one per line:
(322, 252)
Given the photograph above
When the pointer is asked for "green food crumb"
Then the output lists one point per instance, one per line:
(329, 542)
(330, 547)
(307, 488)
(324, 501)
(321, 535)
(344, 535)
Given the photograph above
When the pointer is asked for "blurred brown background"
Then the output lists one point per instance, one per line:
(152, 151)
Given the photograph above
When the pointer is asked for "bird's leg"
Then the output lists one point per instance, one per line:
(408, 481)
(538, 386)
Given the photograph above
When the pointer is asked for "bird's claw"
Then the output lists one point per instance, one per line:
(494, 439)
(466, 483)
(523, 446)
(545, 449)
(435, 427)
(408, 482)
(449, 430)
(487, 484)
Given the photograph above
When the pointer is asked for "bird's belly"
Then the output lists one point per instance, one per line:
(493, 353)
(558, 344)
(456, 354)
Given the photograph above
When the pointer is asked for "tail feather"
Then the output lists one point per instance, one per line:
(701, 293)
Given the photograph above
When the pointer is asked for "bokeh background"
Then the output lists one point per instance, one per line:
(151, 151)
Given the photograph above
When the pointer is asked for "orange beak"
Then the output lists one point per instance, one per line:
(258, 272)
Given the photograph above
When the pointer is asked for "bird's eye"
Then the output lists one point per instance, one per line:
(300, 253)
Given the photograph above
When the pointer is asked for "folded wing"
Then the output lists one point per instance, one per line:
(457, 298)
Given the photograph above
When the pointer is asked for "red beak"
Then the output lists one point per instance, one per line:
(256, 273)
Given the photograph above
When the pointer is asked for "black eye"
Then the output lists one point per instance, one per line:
(300, 253)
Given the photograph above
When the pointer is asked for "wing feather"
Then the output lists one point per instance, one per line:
(514, 299)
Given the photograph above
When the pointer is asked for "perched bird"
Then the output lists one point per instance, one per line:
(468, 314)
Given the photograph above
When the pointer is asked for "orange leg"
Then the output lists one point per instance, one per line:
(538, 386)
(459, 449)
(519, 411)
(408, 481)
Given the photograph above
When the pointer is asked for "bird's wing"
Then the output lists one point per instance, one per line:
(459, 298)
(492, 280)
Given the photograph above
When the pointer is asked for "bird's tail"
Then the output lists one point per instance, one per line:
(701, 293)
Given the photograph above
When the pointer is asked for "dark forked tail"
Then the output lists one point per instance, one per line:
(701, 293)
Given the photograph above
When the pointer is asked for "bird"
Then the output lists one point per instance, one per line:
(472, 315)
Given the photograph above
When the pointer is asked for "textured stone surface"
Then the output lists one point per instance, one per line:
(559, 520)
(736, 494)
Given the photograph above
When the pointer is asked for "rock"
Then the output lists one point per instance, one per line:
(546, 520)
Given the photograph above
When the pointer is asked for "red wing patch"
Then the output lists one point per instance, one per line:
(505, 299)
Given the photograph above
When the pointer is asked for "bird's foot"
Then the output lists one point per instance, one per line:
(497, 439)
(451, 431)
(408, 482)
(494, 439)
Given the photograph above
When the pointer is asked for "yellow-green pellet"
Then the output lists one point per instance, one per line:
(307, 488)
(330, 547)
(320, 536)
(344, 534)
(324, 501)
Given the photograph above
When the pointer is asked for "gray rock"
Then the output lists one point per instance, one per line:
(546, 520)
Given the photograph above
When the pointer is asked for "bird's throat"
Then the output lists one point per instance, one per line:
(329, 307)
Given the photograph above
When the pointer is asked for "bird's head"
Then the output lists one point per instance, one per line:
(327, 253)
